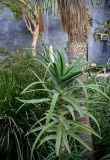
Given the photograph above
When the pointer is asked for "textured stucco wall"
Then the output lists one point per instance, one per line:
(14, 34)
(98, 52)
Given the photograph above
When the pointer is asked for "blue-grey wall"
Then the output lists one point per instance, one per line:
(98, 52)
(14, 34)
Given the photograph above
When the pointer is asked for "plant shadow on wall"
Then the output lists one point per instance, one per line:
(59, 128)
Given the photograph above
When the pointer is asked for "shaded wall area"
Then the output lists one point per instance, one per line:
(14, 34)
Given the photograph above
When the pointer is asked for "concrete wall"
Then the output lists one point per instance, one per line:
(98, 52)
(14, 34)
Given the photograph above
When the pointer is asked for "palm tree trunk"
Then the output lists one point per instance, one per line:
(74, 18)
(34, 42)
(87, 138)
(75, 49)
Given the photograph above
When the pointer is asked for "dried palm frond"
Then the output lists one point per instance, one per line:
(74, 17)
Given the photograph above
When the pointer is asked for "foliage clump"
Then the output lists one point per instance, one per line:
(14, 5)
(103, 33)
(102, 113)
(16, 72)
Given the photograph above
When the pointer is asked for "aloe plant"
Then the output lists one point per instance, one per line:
(63, 86)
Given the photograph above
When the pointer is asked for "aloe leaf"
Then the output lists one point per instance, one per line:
(71, 75)
(38, 122)
(74, 67)
(76, 74)
(34, 101)
(93, 118)
(91, 101)
(65, 123)
(44, 90)
(44, 128)
(37, 76)
(52, 106)
(57, 72)
(84, 89)
(73, 103)
(76, 137)
(84, 128)
(47, 138)
(47, 70)
(71, 110)
(61, 61)
(58, 140)
(32, 84)
(66, 143)
(33, 130)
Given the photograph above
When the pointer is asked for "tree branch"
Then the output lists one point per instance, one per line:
(28, 24)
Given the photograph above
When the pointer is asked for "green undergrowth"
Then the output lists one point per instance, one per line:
(15, 74)
(26, 82)
(102, 113)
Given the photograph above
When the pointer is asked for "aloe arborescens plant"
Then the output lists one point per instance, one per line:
(63, 87)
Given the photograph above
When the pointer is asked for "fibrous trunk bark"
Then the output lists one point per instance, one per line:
(74, 50)
(35, 38)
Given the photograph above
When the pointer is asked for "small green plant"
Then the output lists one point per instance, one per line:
(103, 33)
(90, 21)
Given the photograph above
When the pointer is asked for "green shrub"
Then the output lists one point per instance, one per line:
(15, 74)
(102, 113)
